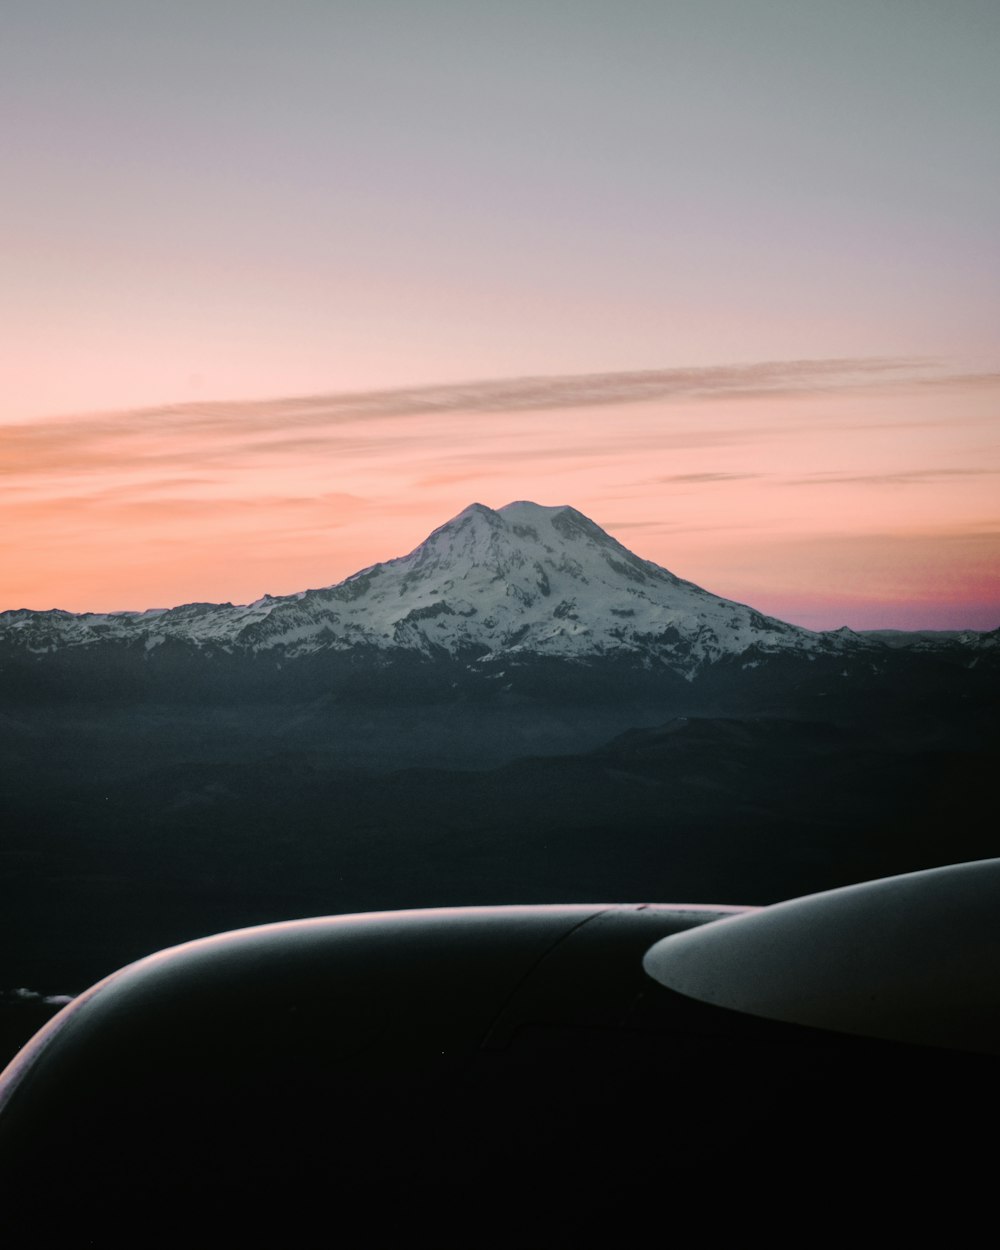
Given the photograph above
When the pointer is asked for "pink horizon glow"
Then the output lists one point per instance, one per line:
(825, 493)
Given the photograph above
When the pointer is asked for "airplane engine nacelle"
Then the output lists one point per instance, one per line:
(477, 1076)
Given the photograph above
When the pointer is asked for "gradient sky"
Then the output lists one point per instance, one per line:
(285, 285)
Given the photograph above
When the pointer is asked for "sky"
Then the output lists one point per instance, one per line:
(287, 285)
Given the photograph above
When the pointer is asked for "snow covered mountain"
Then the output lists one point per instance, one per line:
(489, 584)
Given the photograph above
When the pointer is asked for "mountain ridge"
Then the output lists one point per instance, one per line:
(524, 578)
(521, 583)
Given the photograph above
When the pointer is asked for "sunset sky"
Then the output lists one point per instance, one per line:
(286, 285)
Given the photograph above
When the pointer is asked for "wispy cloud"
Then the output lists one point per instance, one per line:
(907, 477)
(296, 423)
(472, 474)
(704, 478)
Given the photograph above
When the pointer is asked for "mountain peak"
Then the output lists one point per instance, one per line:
(524, 509)
(518, 512)
(522, 533)
(526, 579)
